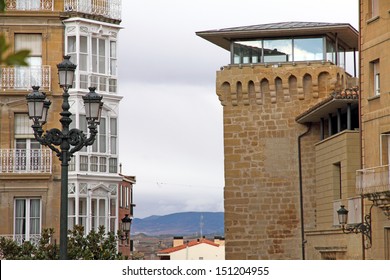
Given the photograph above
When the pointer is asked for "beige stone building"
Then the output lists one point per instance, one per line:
(291, 139)
(30, 173)
(373, 179)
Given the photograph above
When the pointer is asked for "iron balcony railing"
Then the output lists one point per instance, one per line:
(25, 161)
(23, 78)
(21, 238)
(29, 5)
(373, 180)
(107, 8)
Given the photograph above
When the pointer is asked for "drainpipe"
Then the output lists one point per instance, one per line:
(360, 121)
(301, 190)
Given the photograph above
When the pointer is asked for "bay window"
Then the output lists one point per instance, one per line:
(96, 58)
(92, 206)
(101, 156)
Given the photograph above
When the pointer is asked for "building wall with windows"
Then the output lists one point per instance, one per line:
(126, 207)
(372, 180)
(271, 197)
(337, 159)
(30, 174)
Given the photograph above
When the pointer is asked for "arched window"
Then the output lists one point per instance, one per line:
(307, 85)
(293, 85)
(264, 87)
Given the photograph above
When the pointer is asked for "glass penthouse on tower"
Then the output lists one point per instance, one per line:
(274, 43)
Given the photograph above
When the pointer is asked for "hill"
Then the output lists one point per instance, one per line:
(180, 224)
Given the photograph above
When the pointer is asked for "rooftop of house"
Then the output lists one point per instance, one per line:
(343, 31)
(330, 104)
(188, 244)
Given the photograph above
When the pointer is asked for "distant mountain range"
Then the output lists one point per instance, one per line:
(181, 224)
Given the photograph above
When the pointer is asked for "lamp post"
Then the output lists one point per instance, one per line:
(363, 228)
(64, 142)
(126, 223)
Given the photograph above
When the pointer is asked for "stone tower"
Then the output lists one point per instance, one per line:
(277, 72)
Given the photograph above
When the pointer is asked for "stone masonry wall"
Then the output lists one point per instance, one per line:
(262, 206)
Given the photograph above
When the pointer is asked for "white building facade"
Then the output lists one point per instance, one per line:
(93, 172)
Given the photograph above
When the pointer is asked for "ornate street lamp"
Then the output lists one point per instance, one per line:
(126, 223)
(363, 228)
(64, 142)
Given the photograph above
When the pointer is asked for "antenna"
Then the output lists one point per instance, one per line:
(201, 224)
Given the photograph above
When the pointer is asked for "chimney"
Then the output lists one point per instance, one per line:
(177, 241)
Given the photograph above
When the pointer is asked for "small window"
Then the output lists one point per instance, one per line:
(337, 191)
(102, 164)
(375, 77)
(113, 165)
(94, 163)
(83, 163)
(374, 8)
(113, 135)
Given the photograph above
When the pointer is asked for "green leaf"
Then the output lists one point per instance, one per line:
(2, 5)
(3, 43)
(18, 58)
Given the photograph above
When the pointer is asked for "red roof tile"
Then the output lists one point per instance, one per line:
(189, 244)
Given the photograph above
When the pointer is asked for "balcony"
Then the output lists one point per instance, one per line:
(374, 184)
(373, 180)
(29, 5)
(17, 161)
(23, 78)
(106, 8)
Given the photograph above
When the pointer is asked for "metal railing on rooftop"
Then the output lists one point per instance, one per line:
(107, 8)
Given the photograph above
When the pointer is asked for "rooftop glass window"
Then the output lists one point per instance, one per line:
(287, 50)
(308, 49)
(279, 50)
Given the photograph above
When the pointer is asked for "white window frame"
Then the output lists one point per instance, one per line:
(101, 68)
(27, 235)
(113, 139)
(376, 77)
(101, 138)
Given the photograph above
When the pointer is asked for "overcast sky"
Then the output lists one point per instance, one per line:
(171, 131)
